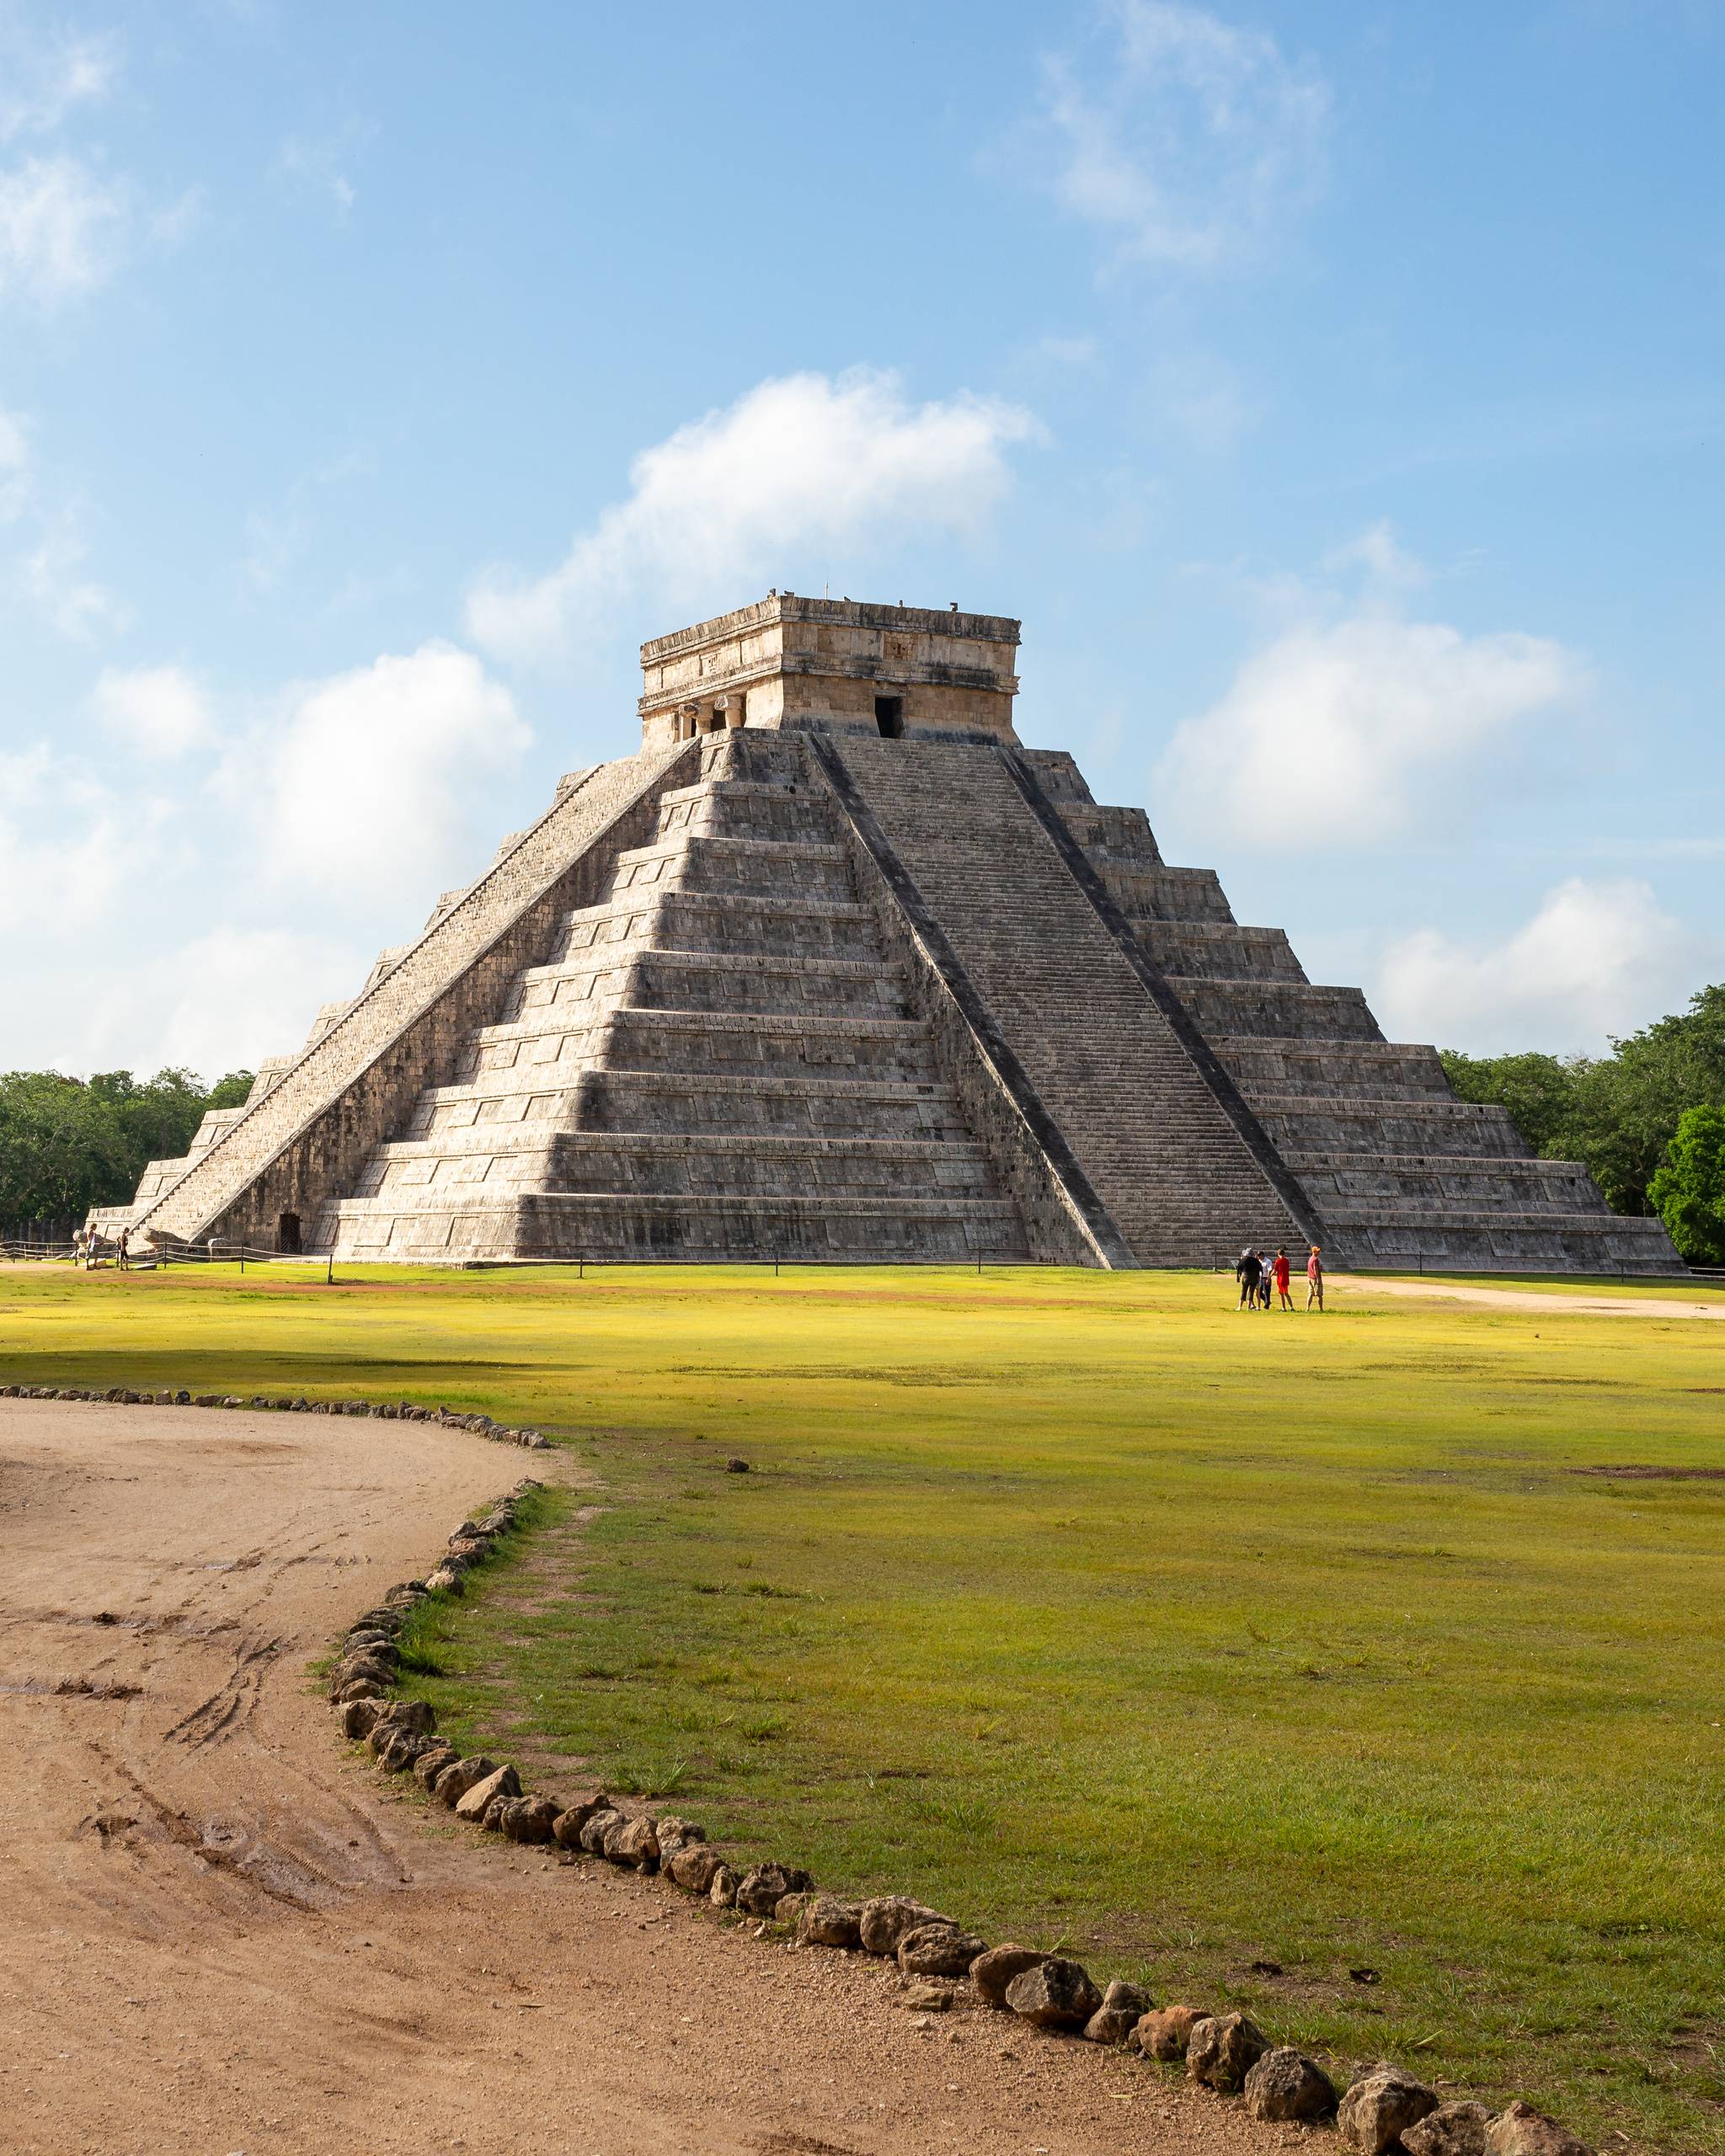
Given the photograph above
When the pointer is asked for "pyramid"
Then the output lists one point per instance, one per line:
(834, 968)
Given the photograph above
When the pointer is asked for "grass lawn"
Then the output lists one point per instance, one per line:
(1097, 1613)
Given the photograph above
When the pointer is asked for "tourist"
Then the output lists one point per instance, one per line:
(1246, 1271)
(78, 1246)
(1314, 1279)
(121, 1258)
(1263, 1279)
(1279, 1271)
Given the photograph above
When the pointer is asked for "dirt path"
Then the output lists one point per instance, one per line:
(221, 1935)
(1521, 1299)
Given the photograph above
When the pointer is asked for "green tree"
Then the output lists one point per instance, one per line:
(67, 1143)
(1538, 1090)
(1628, 1105)
(1688, 1188)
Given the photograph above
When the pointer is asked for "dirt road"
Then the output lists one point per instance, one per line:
(1522, 1298)
(220, 1933)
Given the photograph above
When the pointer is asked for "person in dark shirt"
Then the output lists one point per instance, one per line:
(1248, 1272)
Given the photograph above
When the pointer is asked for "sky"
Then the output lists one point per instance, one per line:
(1334, 391)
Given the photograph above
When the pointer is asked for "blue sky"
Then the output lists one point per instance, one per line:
(1334, 391)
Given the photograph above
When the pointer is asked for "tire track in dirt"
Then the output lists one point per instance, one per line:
(219, 1931)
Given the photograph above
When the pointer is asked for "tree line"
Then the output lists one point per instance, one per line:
(68, 1144)
(1648, 1121)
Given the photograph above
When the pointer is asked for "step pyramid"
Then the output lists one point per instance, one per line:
(834, 969)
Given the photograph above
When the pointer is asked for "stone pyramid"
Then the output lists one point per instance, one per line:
(834, 968)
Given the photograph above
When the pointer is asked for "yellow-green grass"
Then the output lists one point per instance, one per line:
(1096, 1611)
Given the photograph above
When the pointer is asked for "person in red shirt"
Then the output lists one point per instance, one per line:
(1314, 1279)
(1279, 1273)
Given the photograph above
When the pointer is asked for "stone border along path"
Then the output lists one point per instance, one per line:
(1386, 2111)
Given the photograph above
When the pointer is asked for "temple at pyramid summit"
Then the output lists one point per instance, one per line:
(833, 967)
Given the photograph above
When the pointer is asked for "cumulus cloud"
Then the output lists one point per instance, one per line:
(740, 495)
(1599, 958)
(154, 711)
(69, 842)
(60, 221)
(42, 78)
(1188, 139)
(14, 465)
(1356, 729)
(364, 781)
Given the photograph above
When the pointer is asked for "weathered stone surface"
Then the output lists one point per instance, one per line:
(532, 1820)
(1110, 2024)
(924, 1997)
(992, 1971)
(1378, 2108)
(359, 1716)
(886, 1919)
(431, 1762)
(379, 1666)
(636, 1845)
(401, 1750)
(454, 1782)
(498, 1811)
(361, 1688)
(598, 1825)
(789, 1910)
(693, 1866)
(416, 1715)
(825, 1922)
(1284, 2084)
(1165, 2031)
(939, 1949)
(676, 1833)
(575, 1814)
(1120, 1996)
(1521, 2131)
(1222, 2049)
(502, 1781)
(722, 1889)
(1451, 2130)
(1055, 1994)
(763, 1886)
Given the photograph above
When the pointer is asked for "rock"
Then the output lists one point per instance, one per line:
(454, 1782)
(1127, 1998)
(599, 1825)
(992, 1971)
(431, 1763)
(636, 1845)
(416, 1715)
(1222, 2049)
(532, 1820)
(886, 1919)
(1284, 2084)
(676, 1833)
(939, 1949)
(363, 1669)
(1055, 1994)
(567, 1832)
(722, 1890)
(736, 1467)
(1165, 2032)
(824, 1922)
(444, 1580)
(1110, 2025)
(501, 1781)
(1521, 2131)
(359, 1716)
(500, 1807)
(361, 1688)
(401, 1750)
(693, 1866)
(1379, 2107)
(762, 1887)
(789, 1910)
(1451, 2130)
(926, 1999)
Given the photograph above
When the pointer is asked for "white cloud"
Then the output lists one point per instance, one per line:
(1599, 958)
(318, 163)
(69, 842)
(1190, 140)
(366, 781)
(51, 579)
(155, 711)
(14, 465)
(42, 78)
(60, 226)
(742, 495)
(1356, 731)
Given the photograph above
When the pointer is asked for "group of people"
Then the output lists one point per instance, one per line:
(87, 1249)
(1260, 1275)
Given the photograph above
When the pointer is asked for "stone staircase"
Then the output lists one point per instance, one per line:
(1171, 1168)
(1396, 1170)
(717, 1061)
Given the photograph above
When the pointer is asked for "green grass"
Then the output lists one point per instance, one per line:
(1099, 1613)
